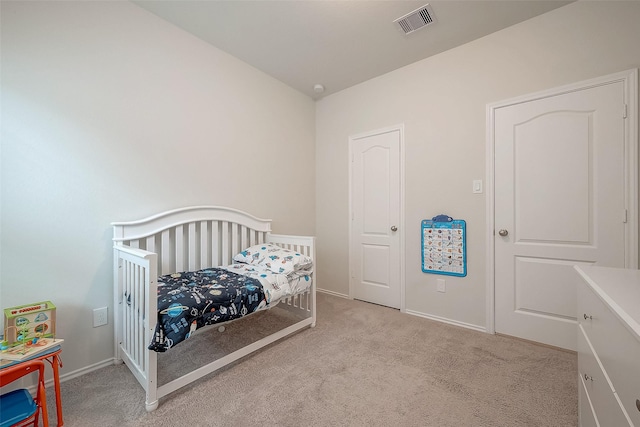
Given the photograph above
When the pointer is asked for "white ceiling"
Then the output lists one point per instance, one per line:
(337, 43)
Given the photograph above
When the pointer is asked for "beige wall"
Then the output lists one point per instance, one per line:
(442, 103)
(110, 113)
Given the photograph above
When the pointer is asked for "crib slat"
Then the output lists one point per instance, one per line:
(215, 238)
(131, 303)
(140, 316)
(179, 248)
(204, 248)
(135, 305)
(192, 246)
(151, 243)
(165, 249)
(125, 317)
(225, 243)
(132, 323)
(234, 239)
(243, 238)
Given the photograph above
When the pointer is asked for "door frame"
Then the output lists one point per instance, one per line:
(352, 141)
(629, 79)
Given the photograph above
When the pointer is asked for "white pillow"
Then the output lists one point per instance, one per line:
(277, 259)
(252, 255)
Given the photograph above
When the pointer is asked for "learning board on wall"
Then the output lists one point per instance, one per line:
(444, 248)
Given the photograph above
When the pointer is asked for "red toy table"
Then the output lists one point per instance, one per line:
(52, 356)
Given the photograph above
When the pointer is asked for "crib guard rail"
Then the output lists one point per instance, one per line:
(137, 279)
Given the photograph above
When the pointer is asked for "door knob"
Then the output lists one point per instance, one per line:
(503, 232)
(394, 228)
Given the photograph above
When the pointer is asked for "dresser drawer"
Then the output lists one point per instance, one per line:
(607, 409)
(617, 348)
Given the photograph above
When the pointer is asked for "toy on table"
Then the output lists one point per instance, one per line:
(28, 328)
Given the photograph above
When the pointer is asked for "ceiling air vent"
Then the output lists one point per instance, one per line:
(417, 19)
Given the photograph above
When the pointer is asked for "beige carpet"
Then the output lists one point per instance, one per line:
(362, 365)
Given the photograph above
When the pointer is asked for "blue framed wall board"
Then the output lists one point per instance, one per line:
(444, 246)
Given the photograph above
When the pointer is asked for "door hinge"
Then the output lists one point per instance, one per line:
(625, 216)
(624, 113)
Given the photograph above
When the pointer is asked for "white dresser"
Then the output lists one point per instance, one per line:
(609, 346)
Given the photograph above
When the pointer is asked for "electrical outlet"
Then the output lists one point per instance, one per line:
(100, 316)
(442, 287)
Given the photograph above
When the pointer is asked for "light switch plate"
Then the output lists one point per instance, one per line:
(477, 186)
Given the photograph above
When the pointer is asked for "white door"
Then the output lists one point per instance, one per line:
(559, 201)
(375, 215)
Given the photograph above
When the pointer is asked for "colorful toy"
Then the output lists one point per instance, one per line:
(26, 324)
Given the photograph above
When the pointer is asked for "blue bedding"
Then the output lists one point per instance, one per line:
(190, 300)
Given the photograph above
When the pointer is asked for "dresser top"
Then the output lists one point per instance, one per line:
(619, 288)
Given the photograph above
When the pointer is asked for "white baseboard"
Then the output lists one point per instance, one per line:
(74, 374)
(78, 372)
(335, 294)
(448, 321)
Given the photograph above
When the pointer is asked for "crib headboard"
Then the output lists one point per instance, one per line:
(193, 238)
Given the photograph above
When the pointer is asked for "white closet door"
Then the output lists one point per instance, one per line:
(559, 201)
(375, 205)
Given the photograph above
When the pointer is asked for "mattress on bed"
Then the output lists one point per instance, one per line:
(188, 301)
(276, 286)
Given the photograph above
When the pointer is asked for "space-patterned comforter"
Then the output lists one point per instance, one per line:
(189, 300)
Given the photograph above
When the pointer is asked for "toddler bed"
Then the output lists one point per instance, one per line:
(185, 269)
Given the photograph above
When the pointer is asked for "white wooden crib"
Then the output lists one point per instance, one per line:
(186, 239)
